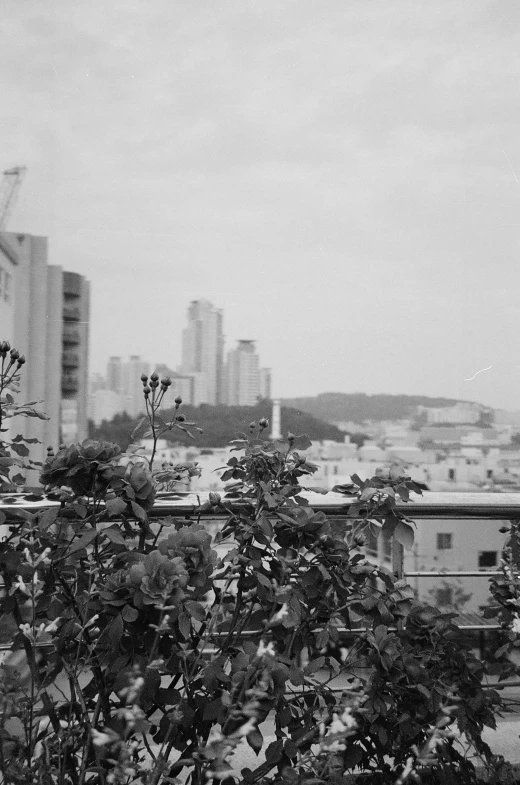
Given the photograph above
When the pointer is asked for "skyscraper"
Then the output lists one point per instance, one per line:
(266, 379)
(242, 375)
(115, 374)
(44, 313)
(202, 350)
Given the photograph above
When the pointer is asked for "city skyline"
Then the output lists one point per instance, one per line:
(344, 183)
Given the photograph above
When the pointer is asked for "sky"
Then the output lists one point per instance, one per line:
(341, 177)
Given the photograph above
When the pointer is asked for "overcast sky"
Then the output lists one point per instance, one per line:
(340, 176)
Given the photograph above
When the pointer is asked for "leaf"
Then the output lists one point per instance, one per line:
(322, 639)
(83, 541)
(195, 609)
(255, 740)
(351, 757)
(48, 518)
(20, 449)
(274, 751)
(367, 494)
(18, 479)
(80, 509)
(138, 512)
(129, 614)
(296, 676)
(314, 666)
(403, 533)
(138, 427)
(115, 631)
(184, 624)
(115, 506)
(114, 534)
(263, 580)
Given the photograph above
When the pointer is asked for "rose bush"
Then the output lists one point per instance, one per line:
(158, 580)
(147, 658)
(85, 468)
(193, 545)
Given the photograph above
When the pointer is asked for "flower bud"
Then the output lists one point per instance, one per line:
(263, 423)
(146, 391)
(178, 401)
(144, 378)
(14, 354)
(4, 347)
(214, 498)
(290, 437)
(166, 382)
(21, 360)
(252, 426)
(154, 377)
(181, 418)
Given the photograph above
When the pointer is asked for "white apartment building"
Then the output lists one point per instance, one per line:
(266, 384)
(44, 313)
(461, 412)
(202, 351)
(242, 375)
(442, 544)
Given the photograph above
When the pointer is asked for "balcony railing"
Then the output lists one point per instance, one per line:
(456, 507)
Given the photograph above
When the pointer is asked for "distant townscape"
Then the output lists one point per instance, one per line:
(204, 376)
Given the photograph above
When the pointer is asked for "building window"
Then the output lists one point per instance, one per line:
(489, 474)
(487, 559)
(451, 474)
(444, 541)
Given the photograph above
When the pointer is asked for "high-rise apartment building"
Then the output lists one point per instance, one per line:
(132, 386)
(242, 375)
(125, 388)
(44, 313)
(266, 381)
(202, 351)
(74, 359)
(115, 374)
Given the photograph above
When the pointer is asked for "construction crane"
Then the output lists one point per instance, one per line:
(9, 192)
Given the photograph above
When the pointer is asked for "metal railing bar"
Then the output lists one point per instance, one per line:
(452, 574)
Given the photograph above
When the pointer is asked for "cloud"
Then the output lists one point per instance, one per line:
(343, 156)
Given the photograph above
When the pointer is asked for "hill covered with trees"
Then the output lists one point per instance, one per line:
(358, 407)
(220, 424)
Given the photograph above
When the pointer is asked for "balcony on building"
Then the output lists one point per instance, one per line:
(71, 334)
(70, 359)
(69, 383)
(71, 313)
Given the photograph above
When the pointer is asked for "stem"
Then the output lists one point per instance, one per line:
(150, 413)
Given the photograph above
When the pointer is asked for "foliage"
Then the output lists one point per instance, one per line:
(219, 424)
(14, 452)
(505, 605)
(144, 647)
(449, 595)
(360, 407)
